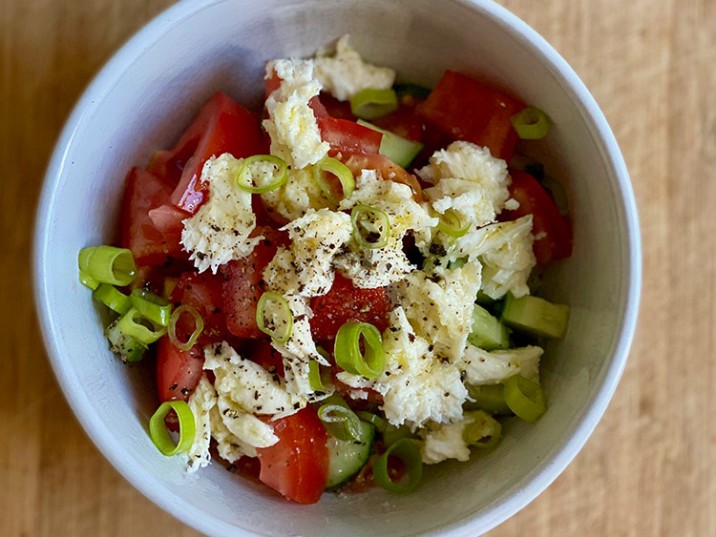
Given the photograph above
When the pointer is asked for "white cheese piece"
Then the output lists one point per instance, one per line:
(379, 267)
(292, 125)
(468, 180)
(299, 194)
(483, 367)
(200, 403)
(221, 228)
(229, 447)
(439, 306)
(247, 428)
(505, 251)
(444, 441)
(345, 74)
(417, 387)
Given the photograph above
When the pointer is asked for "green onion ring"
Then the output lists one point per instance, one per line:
(88, 281)
(107, 264)
(279, 336)
(158, 429)
(372, 103)
(451, 224)
(245, 181)
(361, 212)
(483, 431)
(379, 423)
(339, 420)
(347, 350)
(315, 380)
(174, 319)
(525, 398)
(113, 298)
(407, 450)
(153, 307)
(531, 123)
(130, 325)
(342, 173)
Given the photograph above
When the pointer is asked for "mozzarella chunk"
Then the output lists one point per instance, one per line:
(484, 367)
(417, 387)
(379, 267)
(345, 74)
(292, 125)
(201, 402)
(444, 441)
(221, 228)
(439, 306)
(468, 180)
(299, 194)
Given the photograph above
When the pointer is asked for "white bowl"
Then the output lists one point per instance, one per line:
(148, 92)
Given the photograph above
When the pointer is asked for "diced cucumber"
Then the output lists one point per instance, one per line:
(488, 397)
(398, 149)
(487, 332)
(412, 90)
(536, 316)
(347, 457)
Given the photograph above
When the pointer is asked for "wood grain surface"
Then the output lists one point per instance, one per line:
(650, 467)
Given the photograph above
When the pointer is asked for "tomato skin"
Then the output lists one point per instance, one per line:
(204, 293)
(467, 109)
(178, 371)
(144, 193)
(242, 284)
(552, 231)
(345, 136)
(221, 126)
(297, 465)
(343, 303)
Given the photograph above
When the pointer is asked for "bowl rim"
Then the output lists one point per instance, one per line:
(544, 473)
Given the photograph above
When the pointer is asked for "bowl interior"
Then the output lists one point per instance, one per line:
(141, 102)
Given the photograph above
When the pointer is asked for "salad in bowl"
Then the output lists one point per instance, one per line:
(342, 286)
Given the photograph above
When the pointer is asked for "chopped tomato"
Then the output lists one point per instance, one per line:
(178, 371)
(267, 357)
(204, 293)
(467, 109)
(372, 400)
(242, 287)
(345, 136)
(552, 232)
(150, 245)
(343, 303)
(335, 108)
(388, 169)
(297, 465)
(222, 126)
(404, 122)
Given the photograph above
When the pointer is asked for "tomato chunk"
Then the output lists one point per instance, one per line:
(204, 293)
(467, 109)
(343, 303)
(178, 371)
(552, 232)
(150, 245)
(297, 465)
(347, 136)
(388, 169)
(222, 126)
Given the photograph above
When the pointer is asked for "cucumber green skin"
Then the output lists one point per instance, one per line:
(536, 316)
(346, 458)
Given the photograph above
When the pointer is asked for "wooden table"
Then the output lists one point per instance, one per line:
(650, 467)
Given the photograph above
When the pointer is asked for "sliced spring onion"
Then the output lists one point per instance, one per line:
(379, 423)
(315, 379)
(339, 420)
(371, 226)
(170, 282)
(372, 103)
(107, 264)
(185, 309)
(451, 224)
(127, 347)
(531, 123)
(274, 317)
(113, 298)
(153, 307)
(398, 149)
(482, 430)
(408, 452)
(347, 350)
(160, 435)
(330, 165)
(488, 397)
(262, 173)
(134, 325)
(88, 281)
(392, 434)
(525, 398)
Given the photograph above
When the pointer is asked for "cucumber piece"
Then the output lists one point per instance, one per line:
(487, 332)
(398, 149)
(347, 457)
(412, 90)
(487, 397)
(536, 316)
